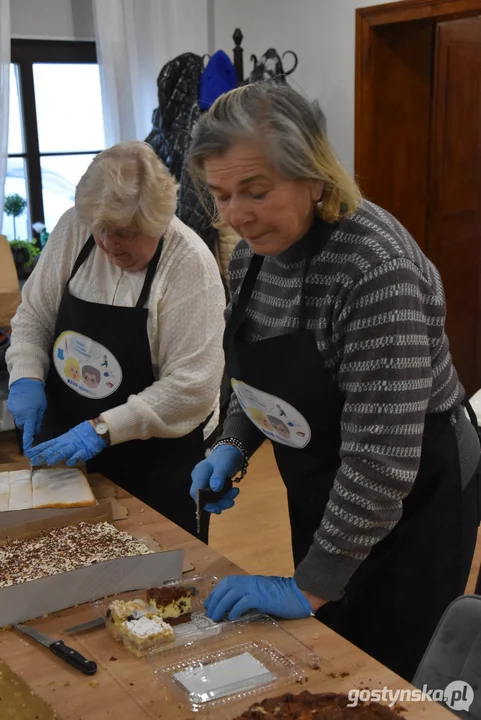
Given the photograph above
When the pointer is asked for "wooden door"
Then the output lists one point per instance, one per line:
(393, 121)
(454, 211)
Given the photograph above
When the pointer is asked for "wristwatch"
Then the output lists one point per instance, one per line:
(102, 429)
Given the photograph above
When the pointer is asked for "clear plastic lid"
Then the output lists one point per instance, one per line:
(198, 625)
(248, 661)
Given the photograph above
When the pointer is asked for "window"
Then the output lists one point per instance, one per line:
(55, 127)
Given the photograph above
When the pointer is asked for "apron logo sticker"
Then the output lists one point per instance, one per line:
(278, 420)
(85, 366)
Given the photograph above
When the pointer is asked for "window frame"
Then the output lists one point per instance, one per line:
(24, 54)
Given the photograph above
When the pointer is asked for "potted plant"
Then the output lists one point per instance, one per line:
(25, 255)
(14, 206)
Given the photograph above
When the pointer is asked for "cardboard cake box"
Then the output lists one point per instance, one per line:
(47, 595)
(9, 287)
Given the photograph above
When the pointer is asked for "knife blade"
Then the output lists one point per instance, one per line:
(89, 625)
(204, 497)
(58, 647)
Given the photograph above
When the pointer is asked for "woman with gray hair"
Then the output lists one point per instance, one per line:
(116, 354)
(336, 350)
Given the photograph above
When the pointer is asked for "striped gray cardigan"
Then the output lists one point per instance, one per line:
(376, 306)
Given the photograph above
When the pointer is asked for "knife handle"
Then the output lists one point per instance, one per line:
(73, 658)
(211, 496)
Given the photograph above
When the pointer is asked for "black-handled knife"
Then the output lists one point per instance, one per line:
(58, 647)
(204, 497)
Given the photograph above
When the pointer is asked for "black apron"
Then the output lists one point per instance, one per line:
(397, 595)
(157, 471)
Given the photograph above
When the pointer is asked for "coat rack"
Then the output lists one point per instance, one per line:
(238, 58)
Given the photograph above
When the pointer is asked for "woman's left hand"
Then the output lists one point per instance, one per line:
(77, 445)
(235, 595)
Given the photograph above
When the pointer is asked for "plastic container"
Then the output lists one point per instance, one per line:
(199, 625)
(220, 676)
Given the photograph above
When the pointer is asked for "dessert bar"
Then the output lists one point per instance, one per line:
(119, 611)
(307, 706)
(143, 635)
(174, 604)
(52, 487)
(64, 549)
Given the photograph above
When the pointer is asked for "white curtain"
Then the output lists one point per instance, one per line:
(4, 96)
(135, 38)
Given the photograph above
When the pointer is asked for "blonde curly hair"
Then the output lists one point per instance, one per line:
(127, 187)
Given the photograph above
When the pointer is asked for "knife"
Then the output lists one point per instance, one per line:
(204, 497)
(89, 625)
(58, 647)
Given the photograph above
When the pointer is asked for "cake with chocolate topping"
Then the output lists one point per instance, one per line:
(64, 549)
(173, 603)
(307, 706)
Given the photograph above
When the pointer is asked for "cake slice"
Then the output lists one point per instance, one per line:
(120, 611)
(174, 604)
(309, 706)
(18, 701)
(144, 635)
(4, 491)
(61, 488)
(21, 496)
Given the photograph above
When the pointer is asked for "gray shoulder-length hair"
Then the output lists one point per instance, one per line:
(292, 129)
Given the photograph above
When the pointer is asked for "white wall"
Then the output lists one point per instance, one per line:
(52, 19)
(322, 33)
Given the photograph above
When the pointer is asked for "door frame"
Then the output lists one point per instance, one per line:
(373, 26)
(367, 20)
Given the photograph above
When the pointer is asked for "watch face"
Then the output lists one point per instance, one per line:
(101, 428)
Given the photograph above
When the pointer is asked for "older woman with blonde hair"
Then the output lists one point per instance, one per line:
(116, 354)
(336, 350)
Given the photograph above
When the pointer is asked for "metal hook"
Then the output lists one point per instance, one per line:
(254, 61)
(204, 64)
(296, 62)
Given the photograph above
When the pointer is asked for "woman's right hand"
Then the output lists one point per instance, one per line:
(224, 462)
(27, 402)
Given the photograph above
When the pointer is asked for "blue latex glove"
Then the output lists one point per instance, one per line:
(77, 445)
(223, 462)
(27, 402)
(236, 594)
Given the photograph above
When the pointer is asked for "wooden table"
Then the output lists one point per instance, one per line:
(78, 697)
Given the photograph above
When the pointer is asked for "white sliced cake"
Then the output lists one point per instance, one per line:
(21, 496)
(4, 491)
(61, 488)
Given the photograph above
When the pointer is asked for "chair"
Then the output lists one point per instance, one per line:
(454, 654)
(475, 402)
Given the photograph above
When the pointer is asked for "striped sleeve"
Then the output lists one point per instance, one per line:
(387, 332)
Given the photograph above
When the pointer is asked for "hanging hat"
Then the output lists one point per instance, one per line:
(269, 67)
(218, 78)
